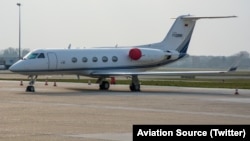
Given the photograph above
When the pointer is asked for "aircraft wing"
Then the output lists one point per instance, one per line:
(233, 68)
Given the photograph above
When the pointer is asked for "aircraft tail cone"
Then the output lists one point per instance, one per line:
(236, 92)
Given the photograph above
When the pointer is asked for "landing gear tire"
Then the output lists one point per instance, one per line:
(30, 89)
(104, 85)
(135, 88)
(32, 79)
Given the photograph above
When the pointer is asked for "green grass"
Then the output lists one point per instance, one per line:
(206, 83)
(241, 84)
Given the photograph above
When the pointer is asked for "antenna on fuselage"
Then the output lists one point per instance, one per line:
(69, 47)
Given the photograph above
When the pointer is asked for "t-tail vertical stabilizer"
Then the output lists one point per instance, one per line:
(179, 36)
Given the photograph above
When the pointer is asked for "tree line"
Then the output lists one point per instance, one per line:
(13, 52)
(212, 62)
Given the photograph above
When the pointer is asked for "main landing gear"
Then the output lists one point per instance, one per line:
(135, 84)
(103, 84)
(31, 88)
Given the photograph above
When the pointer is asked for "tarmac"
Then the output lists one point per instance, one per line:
(79, 111)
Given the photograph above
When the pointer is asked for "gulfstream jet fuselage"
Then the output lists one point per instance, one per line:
(105, 62)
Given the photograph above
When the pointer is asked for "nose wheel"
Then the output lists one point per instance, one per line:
(31, 88)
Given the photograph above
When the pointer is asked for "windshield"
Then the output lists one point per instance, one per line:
(34, 55)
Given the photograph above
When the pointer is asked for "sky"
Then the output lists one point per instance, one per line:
(98, 23)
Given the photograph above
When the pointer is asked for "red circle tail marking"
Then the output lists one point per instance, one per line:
(135, 53)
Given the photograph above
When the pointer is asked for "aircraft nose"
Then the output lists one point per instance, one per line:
(13, 68)
(16, 67)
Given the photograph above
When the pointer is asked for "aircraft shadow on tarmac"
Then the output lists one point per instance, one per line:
(148, 91)
(84, 91)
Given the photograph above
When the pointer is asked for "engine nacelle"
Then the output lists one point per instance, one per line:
(146, 55)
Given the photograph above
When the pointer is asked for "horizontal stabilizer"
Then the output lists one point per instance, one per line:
(213, 17)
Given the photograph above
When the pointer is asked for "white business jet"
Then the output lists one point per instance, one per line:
(103, 63)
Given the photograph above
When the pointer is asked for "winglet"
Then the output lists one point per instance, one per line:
(69, 47)
(236, 63)
(232, 69)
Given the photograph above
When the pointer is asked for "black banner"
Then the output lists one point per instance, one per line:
(191, 132)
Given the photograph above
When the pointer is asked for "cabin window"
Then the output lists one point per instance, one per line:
(105, 59)
(114, 59)
(94, 59)
(74, 59)
(84, 59)
(41, 55)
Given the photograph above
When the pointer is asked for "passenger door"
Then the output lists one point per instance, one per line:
(52, 58)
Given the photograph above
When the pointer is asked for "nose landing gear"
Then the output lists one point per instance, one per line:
(31, 88)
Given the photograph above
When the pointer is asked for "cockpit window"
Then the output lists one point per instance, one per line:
(32, 56)
(41, 55)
